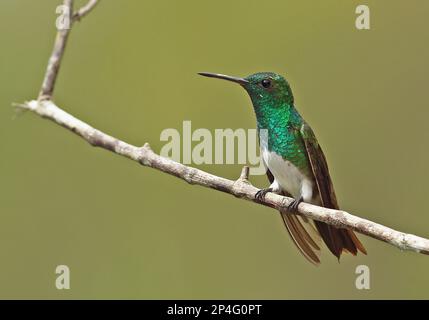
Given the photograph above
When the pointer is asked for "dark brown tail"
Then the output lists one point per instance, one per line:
(305, 235)
(339, 240)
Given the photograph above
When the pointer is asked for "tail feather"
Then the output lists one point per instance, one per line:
(339, 240)
(305, 237)
(355, 241)
(305, 242)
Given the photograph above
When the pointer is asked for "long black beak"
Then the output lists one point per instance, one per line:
(241, 81)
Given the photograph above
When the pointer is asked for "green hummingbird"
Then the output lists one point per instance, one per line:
(295, 163)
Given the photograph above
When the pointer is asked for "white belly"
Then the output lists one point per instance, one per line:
(288, 177)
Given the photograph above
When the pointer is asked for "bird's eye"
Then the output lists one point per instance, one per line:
(266, 83)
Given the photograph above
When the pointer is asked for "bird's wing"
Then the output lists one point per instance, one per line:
(319, 167)
(337, 240)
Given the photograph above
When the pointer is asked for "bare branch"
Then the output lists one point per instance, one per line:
(56, 56)
(241, 188)
(59, 47)
(83, 11)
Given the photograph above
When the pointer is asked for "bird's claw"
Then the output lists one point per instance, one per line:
(260, 195)
(293, 206)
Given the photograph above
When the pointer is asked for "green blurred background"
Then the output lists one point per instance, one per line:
(130, 70)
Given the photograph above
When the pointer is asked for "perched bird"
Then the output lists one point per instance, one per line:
(296, 165)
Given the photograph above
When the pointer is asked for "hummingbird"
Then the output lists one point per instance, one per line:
(295, 165)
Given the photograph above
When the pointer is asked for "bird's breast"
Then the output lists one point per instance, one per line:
(289, 177)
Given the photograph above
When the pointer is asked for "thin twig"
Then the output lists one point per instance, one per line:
(54, 63)
(56, 56)
(83, 11)
(241, 188)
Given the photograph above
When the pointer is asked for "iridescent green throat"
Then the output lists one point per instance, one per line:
(283, 123)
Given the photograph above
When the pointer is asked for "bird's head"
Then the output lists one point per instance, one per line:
(264, 88)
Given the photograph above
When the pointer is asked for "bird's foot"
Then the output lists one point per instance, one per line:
(260, 195)
(293, 207)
